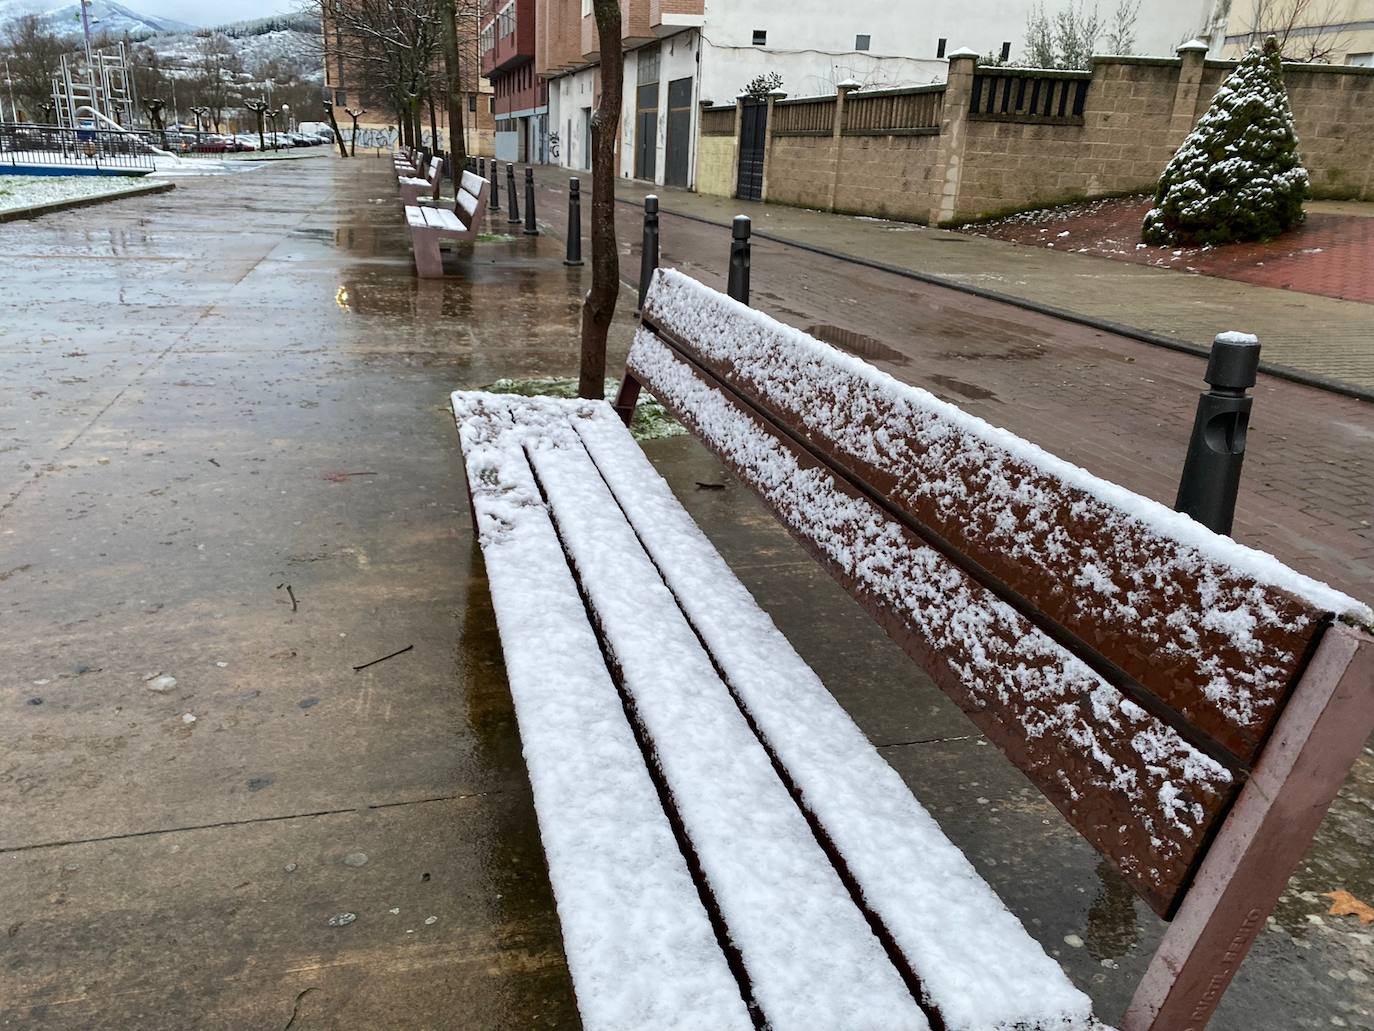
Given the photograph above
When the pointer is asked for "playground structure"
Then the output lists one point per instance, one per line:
(104, 86)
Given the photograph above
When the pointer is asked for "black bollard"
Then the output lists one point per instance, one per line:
(648, 259)
(1211, 472)
(574, 222)
(738, 287)
(531, 227)
(495, 186)
(513, 204)
(482, 167)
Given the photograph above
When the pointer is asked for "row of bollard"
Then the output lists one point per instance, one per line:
(1210, 480)
(530, 223)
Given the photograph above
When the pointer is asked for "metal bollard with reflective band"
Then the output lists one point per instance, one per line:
(495, 186)
(513, 199)
(574, 222)
(648, 260)
(738, 284)
(531, 226)
(1211, 472)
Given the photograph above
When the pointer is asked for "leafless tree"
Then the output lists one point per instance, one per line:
(212, 85)
(33, 54)
(1121, 29)
(599, 306)
(1308, 31)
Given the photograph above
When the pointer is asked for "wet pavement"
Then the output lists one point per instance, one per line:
(216, 394)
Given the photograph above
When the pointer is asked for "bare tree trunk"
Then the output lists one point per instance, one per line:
(599, 306)
(457, 142)
(433, 122)
(334, 125)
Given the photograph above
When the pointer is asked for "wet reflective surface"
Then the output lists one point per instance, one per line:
(212, 395)
(208, 397)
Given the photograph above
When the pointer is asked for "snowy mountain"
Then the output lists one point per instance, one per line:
(107, 17)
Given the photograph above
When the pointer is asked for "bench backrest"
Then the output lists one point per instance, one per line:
(1129, 661)
(470, 203)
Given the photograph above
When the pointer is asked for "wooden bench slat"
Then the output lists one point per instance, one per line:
(1127, 782)
(472, 182)
(942, 916)
(775, 888)
(639, 944)
(444, 219)
(468, 201)
(1215, 631)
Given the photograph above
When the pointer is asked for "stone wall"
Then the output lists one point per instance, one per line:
(998, 149)
(716, 166)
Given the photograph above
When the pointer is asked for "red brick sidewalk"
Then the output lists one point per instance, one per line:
(1331, 255)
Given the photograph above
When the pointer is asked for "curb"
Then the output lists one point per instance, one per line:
(35, 210)
(1309, 379)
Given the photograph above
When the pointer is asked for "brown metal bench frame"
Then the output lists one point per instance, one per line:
(1319, 733)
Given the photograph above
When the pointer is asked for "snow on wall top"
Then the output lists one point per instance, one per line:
(1214, 628)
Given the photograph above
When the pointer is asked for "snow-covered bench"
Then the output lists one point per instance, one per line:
(430, 225)
(413, 186)
(722, 839)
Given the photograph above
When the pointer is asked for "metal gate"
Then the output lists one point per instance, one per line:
(753, 130)
(679, 148)
(646, 113)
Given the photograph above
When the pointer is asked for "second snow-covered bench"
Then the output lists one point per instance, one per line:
(430, 224)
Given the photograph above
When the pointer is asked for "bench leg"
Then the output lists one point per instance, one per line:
(626, 399)
(1314, 744)
(429, 262)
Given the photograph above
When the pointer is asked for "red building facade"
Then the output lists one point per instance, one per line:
(507, 47)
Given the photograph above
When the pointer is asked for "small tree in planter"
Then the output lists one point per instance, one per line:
(1238, 175)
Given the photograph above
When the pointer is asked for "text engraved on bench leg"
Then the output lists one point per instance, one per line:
(1316, 740)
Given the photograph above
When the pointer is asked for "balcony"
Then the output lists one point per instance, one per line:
(669, 16)
(634, 23)
(515, 47)
(591, 45)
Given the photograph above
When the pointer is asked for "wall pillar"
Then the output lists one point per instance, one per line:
(739, 125)
(773, 98)
(963, 63)
(1192, 55)
(842, 90)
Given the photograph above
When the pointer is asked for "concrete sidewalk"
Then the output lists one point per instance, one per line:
(1312, 334)
(247, 391)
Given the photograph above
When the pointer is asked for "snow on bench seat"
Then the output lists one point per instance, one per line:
(421, 217)
(809, 954)
(410, 180)
(1105, 762)
(976, 964)
(639, 944)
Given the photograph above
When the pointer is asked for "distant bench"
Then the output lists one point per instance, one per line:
(430, 225)
(722, 839)
(412, 186)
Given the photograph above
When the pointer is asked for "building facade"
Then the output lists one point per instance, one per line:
(1339, 32)
(683, 54)
(521, 106)
(342, 87)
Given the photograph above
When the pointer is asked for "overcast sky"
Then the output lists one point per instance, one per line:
(205, 12)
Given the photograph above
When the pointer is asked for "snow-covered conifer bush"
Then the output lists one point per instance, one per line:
(1238, 175)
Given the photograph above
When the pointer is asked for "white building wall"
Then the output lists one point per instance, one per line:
(812, 45)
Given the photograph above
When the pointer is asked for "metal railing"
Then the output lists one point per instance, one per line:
(805, 116)
(24, 143)
(1029, 95)
(913, 110)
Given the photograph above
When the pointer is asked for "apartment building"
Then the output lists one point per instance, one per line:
(681, 54)
(343, 85)
(1339, 32)
(506, 44)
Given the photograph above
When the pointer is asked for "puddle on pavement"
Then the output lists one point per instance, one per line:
(968, 390)
(858, 344)
(1010, 353)
(1112, 930)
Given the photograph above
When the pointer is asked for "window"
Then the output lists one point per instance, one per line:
(760, 37)
(340, 98)
(862, 41)
(1006, 52)
(472, 102)
(940, 47)
(491, 105)
(1360, 60)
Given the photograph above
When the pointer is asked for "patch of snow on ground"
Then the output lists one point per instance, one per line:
(26, 191)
